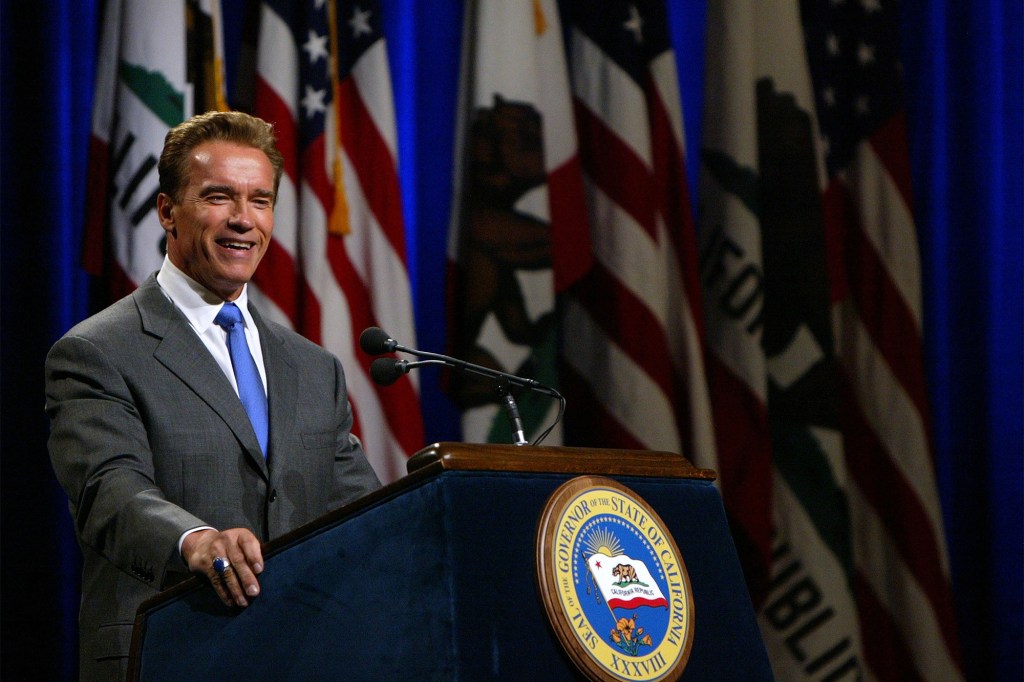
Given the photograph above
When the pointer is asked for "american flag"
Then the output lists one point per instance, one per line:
(337, 263)
(633, 367)
(807, 210)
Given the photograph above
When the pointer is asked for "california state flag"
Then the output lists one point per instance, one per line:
(519, 232)
(625, 583)
(813, 300)
(148, 80)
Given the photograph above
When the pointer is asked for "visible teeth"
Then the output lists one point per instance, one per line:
(237, 245)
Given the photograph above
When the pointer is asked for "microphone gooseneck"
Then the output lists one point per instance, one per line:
(386, 371)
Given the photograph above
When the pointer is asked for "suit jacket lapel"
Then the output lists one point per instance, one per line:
(184, 354)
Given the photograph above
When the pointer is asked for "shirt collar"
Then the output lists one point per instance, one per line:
(196, 302)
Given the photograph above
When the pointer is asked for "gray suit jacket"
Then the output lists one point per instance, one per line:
(148, 439)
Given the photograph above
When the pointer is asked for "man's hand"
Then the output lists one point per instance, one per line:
(242, 551)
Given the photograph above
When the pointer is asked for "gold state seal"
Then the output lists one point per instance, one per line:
(613, 582)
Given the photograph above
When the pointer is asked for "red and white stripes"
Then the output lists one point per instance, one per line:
(331, 287)
(636, 369)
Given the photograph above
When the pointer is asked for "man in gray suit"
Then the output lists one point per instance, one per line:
(166, 469)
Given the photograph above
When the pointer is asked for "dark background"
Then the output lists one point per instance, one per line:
(964, 102)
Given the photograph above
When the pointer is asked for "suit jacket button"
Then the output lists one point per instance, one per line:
(273, 495)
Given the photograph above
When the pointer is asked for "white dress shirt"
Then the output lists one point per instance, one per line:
(200, 306)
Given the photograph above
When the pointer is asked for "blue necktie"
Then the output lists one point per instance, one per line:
(247, 376)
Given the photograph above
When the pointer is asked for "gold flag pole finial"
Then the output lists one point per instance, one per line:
(220, 88)
(540, 22)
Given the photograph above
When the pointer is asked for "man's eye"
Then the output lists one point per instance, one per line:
(261, 203)
(216, 198)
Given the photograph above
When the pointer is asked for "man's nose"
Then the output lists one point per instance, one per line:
(242, 216)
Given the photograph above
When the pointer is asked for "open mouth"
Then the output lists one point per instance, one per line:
(233, 245)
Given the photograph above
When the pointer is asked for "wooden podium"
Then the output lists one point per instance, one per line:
(432, 578)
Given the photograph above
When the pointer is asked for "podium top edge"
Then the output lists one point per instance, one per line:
(552, 459)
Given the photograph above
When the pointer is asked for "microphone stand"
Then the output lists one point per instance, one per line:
(515, 422)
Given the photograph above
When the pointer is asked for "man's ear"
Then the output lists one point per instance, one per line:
(165, 212)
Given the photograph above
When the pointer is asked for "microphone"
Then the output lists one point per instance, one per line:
(375, 341)
(386, 371)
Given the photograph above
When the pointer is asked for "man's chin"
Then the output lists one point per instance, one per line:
(228, 287)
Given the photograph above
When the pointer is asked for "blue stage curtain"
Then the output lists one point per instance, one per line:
(963, 69)
(47, 58)
(964, 97)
